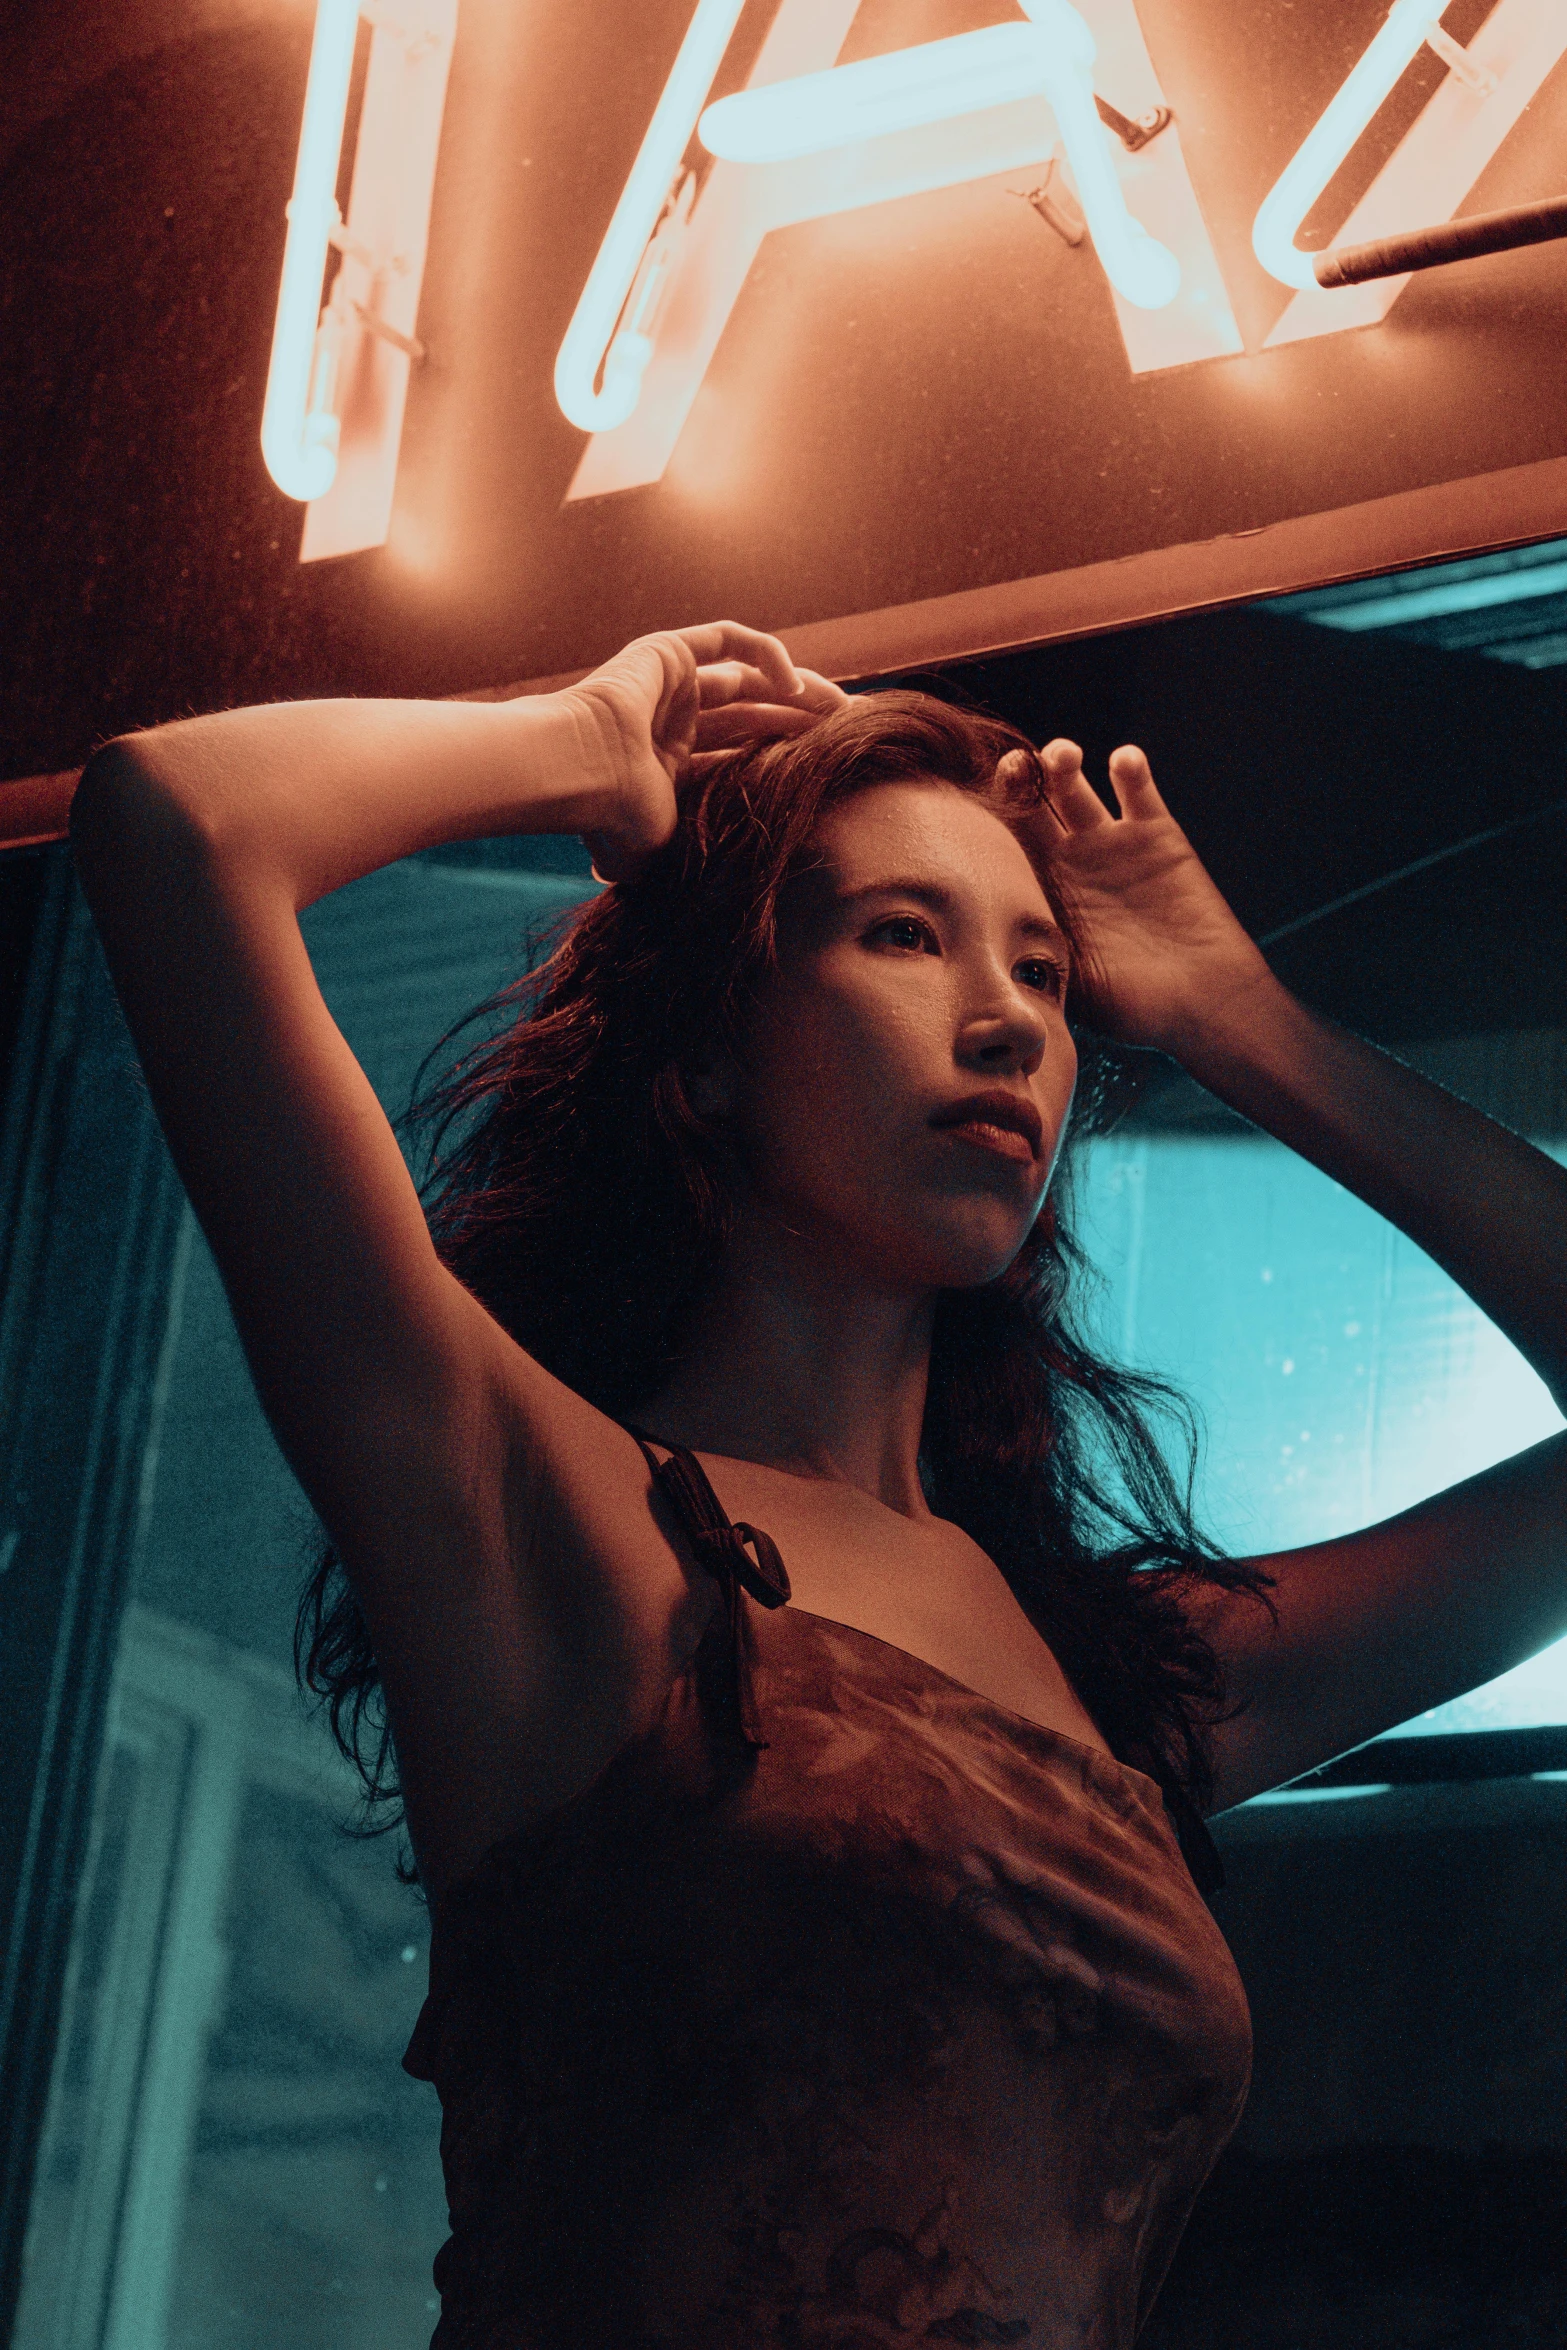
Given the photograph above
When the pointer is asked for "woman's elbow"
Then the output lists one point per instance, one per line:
(138, 789)
(119, 786)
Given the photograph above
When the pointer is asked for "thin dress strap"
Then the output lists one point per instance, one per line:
(724, 1547)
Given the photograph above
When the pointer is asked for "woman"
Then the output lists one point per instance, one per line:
(803, 1672)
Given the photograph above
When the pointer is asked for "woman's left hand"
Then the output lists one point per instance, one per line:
(1165, 955)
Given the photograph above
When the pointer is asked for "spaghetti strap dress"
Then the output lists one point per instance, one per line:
(846, 2008)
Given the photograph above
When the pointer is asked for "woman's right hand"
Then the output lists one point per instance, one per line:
(662, 709)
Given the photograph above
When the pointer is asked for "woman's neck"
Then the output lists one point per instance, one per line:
(795, 1363)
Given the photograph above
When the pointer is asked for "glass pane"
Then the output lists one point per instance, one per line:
(1341, 1375)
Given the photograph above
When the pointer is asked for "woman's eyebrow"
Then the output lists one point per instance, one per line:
(941, 901)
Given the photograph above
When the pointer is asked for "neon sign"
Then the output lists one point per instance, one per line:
(1410, 26)
(598, 375)
(808, 138)
(1051, 57)
(1068, 95)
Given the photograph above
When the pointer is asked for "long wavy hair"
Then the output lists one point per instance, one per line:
(578, 1190)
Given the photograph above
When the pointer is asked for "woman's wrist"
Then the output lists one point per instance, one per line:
(560, 775)
(1224, 1016)
(595, 763)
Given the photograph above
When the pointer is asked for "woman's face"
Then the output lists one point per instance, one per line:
(910, 1070)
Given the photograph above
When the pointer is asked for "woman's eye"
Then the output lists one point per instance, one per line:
(903, 930)
(1039, 971)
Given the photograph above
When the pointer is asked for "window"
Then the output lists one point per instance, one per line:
(1341, 1375)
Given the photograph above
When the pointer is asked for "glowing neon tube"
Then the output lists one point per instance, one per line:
(298, 426)
(1051, 57)
(931, 83)
(1136, 264)
(1328, 143)
(591, 341)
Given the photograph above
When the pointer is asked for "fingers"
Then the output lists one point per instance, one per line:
(820, 694)
(722, 682)
(1073, 800)
(729, 664)
(743, 681)
(738, 705)
(1132, 778)
(726, 641)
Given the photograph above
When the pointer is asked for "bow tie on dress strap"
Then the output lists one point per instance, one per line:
(725, 1550)
(722, 1550)
(720, 1545)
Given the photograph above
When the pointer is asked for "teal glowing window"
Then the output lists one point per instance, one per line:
(1340, 1374)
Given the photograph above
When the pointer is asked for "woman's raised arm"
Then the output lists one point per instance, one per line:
(401, 1405)
(1375, 1627)
(200, 843)
(198, 846)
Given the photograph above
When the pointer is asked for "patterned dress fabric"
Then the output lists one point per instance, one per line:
(908, 2026)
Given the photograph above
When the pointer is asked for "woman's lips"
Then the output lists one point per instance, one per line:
(1003, 1141)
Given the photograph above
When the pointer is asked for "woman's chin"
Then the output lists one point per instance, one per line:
(977, 1274)
(964, 1259)
(953, 1244)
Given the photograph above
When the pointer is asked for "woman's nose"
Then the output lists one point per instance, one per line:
(1008, 1033)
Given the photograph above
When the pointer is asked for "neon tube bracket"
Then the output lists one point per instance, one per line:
(1134, 132)
(1459, 63)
